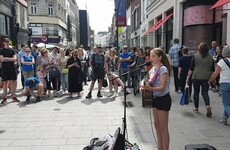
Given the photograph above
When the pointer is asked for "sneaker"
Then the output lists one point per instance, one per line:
(38, 99)
(89, 95)
(28, 98)
(15, 99)
(4, 101)
(223, 121)
(115, 94)
(209, 112)
(99, 94)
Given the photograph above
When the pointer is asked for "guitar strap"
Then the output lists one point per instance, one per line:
(155, 76)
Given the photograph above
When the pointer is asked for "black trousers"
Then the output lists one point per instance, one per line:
(204, 92)
(176, 80)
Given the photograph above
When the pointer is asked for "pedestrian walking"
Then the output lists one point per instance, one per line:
(174, 57)
(201, 69)
(223, 68)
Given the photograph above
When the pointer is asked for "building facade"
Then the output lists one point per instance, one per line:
(48, 21)
(7, 21)
(191, 21)
(23, 34)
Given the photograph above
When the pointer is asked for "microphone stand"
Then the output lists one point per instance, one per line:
(124, 125)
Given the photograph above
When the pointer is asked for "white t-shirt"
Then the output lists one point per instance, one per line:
(225, 71)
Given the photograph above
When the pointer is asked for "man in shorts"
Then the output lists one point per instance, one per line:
(32, 84)
(97, 63)
(8, 59)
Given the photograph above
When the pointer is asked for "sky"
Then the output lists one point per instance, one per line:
(100, 13)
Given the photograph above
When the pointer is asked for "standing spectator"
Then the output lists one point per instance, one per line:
(212, 51)
(224, 70)
(55, 55)
(8, 59)
(48, 63)
(74, 65)
(162, 99)
(27, 62)
(82, 58)
(125, 61)
(64, 70)
(21, 53)
(184, 65)
(41, 76)
(202, 67)
(174, 57)
(97, 64)
(112, 68)
(35, 53)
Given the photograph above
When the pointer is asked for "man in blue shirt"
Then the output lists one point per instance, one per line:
(20, 55)
(212, 51)
(125, 61)
(32, 84)
(174, 56)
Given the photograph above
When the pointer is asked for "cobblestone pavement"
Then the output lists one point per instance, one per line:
(69, 124)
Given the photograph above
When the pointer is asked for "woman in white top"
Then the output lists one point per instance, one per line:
(62, 60)
(224, 70)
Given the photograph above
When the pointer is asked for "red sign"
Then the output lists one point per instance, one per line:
(44, 38)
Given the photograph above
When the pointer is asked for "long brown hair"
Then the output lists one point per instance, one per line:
(164, 59)
(203, 49)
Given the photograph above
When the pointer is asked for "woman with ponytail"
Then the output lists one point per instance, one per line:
(159, 85)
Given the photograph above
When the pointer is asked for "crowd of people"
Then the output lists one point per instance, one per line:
(67, 70)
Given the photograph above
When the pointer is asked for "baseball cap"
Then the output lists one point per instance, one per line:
(125, 46)
(6, 40)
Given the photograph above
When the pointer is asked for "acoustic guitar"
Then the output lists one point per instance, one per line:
(147, 96)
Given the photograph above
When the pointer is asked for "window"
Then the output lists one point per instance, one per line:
(2, 24)
(33, 8)
(135, 20)
(50, 10)
(8, 26)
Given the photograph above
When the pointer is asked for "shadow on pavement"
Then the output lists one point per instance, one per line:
(103, 100)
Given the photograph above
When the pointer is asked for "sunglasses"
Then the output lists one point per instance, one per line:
(27, 51)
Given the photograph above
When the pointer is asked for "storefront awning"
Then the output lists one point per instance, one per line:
(163, 21)
(152, 29)
(220, 3)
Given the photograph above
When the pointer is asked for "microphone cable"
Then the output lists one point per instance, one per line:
(152, 127)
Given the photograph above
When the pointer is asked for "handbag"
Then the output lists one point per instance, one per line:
(184, 99)
(64, 70)
(54, 73)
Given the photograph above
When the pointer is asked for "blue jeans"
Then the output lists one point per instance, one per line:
(64, 81)
(225, 92)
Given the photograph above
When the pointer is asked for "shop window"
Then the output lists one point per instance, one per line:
(50, 10)
(8, 26)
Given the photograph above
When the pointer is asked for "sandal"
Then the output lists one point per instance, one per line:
(15, 99)
(4, 101)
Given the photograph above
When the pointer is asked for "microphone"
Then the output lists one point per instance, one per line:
(144, 64)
